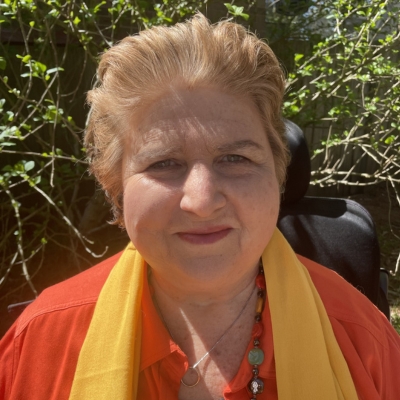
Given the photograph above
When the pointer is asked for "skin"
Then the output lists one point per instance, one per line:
(201, 202)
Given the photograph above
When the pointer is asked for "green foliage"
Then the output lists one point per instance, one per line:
(346, 80)
(46, 68)
(343, 89)
(236, 11)
(342, 61)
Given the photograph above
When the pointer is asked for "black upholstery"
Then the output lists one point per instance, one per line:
(299, 169)
(337, 233)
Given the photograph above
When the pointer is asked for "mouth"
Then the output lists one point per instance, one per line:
(205, 235)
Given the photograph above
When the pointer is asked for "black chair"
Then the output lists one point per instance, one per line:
(337, 233)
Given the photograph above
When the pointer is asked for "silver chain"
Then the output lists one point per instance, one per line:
(219, 340)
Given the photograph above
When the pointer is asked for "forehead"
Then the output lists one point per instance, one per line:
(206, 116)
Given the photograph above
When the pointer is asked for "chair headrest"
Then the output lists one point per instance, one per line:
(299, 170)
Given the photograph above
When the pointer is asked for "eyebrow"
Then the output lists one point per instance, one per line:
(239, 145)
(151, 154)
(156, 154)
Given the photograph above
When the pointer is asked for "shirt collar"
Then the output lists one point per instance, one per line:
(156, 340)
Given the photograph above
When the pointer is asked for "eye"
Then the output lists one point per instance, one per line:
(164, 164)
(234, 158)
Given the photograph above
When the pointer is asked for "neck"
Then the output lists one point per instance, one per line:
(206, 316)
(186, 297)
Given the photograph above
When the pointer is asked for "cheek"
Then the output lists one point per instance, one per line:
(146, 207)
(272, 198)
(265, 204)
(263, 185)
(273, 195)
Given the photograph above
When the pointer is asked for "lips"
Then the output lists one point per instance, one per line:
(207, 235)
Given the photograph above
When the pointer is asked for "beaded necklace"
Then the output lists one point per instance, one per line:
(256, 355)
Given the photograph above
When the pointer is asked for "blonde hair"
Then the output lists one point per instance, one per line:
(134, 72)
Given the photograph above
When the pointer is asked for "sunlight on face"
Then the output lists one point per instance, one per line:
(201, 198)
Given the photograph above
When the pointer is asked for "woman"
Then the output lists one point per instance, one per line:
(209, 301)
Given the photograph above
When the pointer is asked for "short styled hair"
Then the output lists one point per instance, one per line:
(195, 53)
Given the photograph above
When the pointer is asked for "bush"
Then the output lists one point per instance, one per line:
(349, 82)
(49, 56)
(344, 80)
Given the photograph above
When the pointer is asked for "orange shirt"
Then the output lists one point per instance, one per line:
(38, 355)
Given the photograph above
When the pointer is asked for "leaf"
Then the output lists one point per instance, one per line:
(29, 165)
(40, 66)
(76, 21)
(390, 139)
(229, 7)
(298, 57)
(10, 116)
(3, 63)
(97, 8)
(14, 91)
(26, 58)
(51, 70)
(236, 11)
(54, 13)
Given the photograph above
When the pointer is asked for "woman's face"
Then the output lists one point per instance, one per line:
(201, 198)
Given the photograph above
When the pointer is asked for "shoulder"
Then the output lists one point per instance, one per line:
(38, 355)
(341, 299)
(82, 289)
(369, 343)
(346, 306)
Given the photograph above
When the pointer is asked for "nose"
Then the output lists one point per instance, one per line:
(202, 191)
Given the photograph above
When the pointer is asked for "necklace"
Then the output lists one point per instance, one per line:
(256, 355)
(193, 368)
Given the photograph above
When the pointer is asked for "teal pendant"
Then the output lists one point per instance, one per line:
(255, 356)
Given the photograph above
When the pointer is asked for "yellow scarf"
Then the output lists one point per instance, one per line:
(309, 362)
